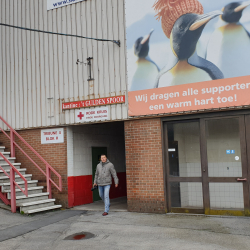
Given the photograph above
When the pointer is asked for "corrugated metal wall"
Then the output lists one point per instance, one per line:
(39, 71)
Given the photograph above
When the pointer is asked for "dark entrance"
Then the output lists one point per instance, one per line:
(96, 158)
(207, 164)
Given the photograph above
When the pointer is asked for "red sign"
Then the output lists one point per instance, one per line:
(94, 102)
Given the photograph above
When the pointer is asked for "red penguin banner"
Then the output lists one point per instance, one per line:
(186, 55)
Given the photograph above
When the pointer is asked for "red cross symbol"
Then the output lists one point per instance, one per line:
(80, 115)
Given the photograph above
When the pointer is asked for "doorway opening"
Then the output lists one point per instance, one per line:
(89, 142)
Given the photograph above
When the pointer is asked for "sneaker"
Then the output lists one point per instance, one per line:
(104, 214)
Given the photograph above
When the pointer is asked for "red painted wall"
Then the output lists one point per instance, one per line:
(79, 189)
(121, 190)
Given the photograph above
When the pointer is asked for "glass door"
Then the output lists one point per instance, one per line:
(226, 166)
(184, 167)
(207, 165)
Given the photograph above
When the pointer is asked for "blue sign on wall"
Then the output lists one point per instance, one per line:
(228, 151)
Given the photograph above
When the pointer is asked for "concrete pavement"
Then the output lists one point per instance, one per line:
(27, 227)
(125, 230)
(117, 205)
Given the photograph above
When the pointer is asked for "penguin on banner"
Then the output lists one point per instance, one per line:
(183, 24)
(146, 70)
(229, 45)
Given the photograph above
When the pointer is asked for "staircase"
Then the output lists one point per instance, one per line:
(37, 200)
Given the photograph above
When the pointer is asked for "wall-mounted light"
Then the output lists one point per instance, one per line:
(88, 63)
(89, 68)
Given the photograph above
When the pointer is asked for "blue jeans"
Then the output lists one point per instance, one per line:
(104, 194)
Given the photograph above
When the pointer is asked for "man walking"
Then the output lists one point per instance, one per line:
(103, 179)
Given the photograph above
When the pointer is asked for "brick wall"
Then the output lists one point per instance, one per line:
(54, 154)
(145, 187)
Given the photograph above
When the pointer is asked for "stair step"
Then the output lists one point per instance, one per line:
(6, 166)
(18, 190)
(32, 190)
(8, 170)
(6, 185)
(36, 201)
(42, 209)
(11, 159)
(5, 179)
(5, 153)
(22, 171)
(31, 198)
(16, 176)
(36, 204)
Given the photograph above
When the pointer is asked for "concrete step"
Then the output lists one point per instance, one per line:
(5, 179)
(32, 190)
(31, 197)
(6, 166)
(11, 159)
(21, 170)
(6, 186)
(36, 204)
(2, 148)
(6, 154)
(43, 209)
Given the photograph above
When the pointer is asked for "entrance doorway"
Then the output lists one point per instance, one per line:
(207, 165)
(96, 158)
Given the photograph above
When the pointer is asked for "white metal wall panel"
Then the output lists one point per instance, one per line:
(18, 66)
(4, 65)
(11, 62)
(2, 45)
(1, 68)
(38, 71)
(7, 61)
(24, 70)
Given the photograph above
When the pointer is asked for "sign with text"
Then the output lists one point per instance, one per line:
(94, 102)
(187, 55)
(53, 4)
(203, 95)
(52, 136)
(91, 115)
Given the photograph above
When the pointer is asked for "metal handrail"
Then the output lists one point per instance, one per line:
(13, 183)
(15, 170)
(49, 169)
